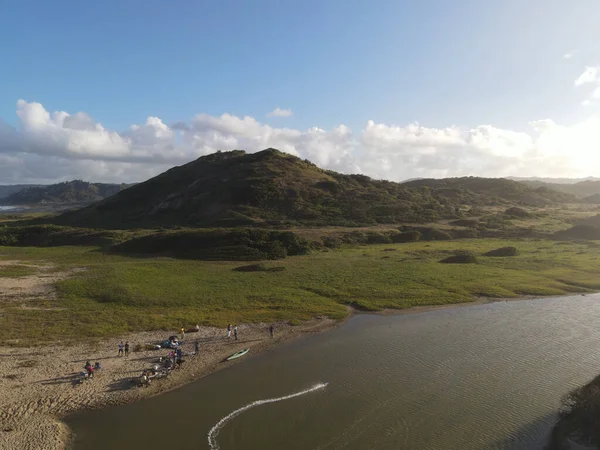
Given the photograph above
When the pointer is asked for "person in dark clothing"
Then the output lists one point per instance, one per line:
(235, 332)
(126, 348)
(196, 347)
(271, 331)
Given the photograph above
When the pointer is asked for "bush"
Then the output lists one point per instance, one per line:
(460, 258)
(406, 236)
(585, 232)
(469, 223)
(258, 268)
(378, 238)
(332, 242)
(503, 251)
(433, 234)
(519, 213)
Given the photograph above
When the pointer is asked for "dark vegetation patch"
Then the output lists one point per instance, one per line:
(593, 221)
(461, 257)
(503, 251)
(218, 245)
(55, 236)
(258, 268)
(470, 223)
(518, 213)
(579, 417)
(586, 232)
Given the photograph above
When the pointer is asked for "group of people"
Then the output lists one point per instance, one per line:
(175, 356)
(234, 328)
(235, 331)
(89, 369)
(124, 347)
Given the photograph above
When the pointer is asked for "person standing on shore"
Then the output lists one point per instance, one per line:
(271, 331)
(126, 348)
(182, 333)
(235, 332)
(196, 348)
(121, 349)
(229, 331)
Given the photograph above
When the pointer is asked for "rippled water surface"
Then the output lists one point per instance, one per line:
(479, 377)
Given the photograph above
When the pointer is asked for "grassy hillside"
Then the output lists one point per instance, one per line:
(76, 191)
(271, 188)
(116, 293)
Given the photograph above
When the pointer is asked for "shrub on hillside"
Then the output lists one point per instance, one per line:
(464, 233)
(503, 251)
(433, 234)
(332, 242)
(219, 244)
(258, 268)
(378, 238)
(470, 223)
(585, 232)
(460, 258)
(406, 236)
(519, 213)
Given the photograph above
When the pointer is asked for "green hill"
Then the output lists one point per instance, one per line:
(76, 191)
(271, 188)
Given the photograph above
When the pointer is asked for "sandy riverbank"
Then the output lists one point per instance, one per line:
(39, 385)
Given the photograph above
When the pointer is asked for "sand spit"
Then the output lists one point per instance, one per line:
(40, 385)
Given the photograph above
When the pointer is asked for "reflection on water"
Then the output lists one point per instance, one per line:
(479, 377)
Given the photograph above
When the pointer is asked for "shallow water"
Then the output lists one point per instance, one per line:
(478, 377)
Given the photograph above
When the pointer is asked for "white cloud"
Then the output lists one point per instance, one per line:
(570, 54)
(589, 75)
(278, 112)
(48, 147)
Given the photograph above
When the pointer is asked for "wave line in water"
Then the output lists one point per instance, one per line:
(214, 431)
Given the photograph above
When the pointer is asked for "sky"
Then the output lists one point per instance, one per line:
(118, 91)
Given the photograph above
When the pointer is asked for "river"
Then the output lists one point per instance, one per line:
(477, 377)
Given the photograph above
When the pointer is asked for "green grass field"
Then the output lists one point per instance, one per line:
(118, 293)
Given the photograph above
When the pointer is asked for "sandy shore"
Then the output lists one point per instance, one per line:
(40, 385)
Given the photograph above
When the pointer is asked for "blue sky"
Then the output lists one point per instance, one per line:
(439, 63)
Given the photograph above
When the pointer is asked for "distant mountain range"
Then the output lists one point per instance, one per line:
(587, 189)
(554, 180)
(7, 190)
(70, 192)
(276, 189)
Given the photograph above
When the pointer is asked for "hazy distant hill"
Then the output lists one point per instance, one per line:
(554, 180)
(274, 188)
(7, 190)
(582, 189)
(492, 190)
(76, 191)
